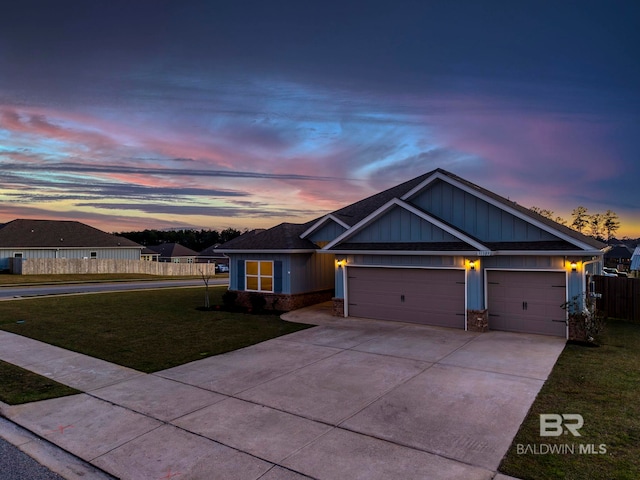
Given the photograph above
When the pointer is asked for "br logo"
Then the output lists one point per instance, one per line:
(554, 425)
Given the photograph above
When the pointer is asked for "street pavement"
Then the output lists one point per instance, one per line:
(17, 292)
(350, 398)
(17, 465)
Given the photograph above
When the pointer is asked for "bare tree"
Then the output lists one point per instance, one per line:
(205, 278)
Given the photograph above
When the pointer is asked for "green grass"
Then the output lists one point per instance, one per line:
(601, 384)
(147, 331)
(21, 386)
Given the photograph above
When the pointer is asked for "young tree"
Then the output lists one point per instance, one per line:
(580, 218)
(611, 223)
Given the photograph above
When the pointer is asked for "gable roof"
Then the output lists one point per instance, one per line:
(525, 213)
(23, 233)
(366, 210)
(173, 250)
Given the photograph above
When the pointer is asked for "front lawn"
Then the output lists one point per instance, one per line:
(601, 384)
(18, 385)
(147, 330)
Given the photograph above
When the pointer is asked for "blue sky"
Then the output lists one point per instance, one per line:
(210, 114)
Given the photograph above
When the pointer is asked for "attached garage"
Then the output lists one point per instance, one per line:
(416, 295)
(527, 301)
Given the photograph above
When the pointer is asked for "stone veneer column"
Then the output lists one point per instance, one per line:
(338, 307)
(478, 320)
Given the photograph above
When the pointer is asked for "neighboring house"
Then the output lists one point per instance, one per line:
(149, 255)
(619, 256)
(437, 250)
(174, 252)
(30, 239)
(211, 255)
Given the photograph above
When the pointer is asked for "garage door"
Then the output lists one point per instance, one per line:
(431, 297)
(527, 302)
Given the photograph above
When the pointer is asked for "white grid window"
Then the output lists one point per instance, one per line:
(259, 275)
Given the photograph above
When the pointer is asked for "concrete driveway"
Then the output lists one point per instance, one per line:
(350, 398)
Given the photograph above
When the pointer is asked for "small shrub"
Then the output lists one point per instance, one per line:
(258, 302)
(229, 299)
(582, 310)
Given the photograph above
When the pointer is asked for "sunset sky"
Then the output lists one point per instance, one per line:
(128, 115)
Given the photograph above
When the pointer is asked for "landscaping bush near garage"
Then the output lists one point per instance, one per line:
(147, 330)
(601, 384)
(18, 385)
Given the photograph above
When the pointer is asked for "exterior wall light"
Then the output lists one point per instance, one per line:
(574, 266)
(341, 263)
(472, 265)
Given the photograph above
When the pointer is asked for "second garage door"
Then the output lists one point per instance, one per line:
(527, 302)
(417, 295)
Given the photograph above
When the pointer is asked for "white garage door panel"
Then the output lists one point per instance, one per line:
(433, 297)
(528, 302)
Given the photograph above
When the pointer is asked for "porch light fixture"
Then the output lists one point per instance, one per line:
(574, 266)
(341, 263)
(472, 264)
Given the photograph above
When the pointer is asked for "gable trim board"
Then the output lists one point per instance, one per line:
(320, 223)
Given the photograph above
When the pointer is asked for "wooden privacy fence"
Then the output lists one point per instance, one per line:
(620, 297)
(56, 266)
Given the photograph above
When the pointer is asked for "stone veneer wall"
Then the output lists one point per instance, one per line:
(338, 307)
(478, 320)
(284, 302)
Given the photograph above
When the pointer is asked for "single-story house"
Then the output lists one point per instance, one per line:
(174, 252)
(619, 256)
(436, 249)
(149, 255)
(30, 239)
(211, 255)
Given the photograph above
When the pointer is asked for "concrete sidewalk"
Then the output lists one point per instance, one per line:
(351, 398)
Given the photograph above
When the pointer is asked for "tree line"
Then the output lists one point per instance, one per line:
(602, 226)
(196, 240)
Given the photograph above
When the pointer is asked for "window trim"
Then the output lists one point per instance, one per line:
(18, 254)
(93, 255)
(259, 276)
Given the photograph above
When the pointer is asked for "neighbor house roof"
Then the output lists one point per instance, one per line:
(173, 250)
(619, 251)
(23, 233)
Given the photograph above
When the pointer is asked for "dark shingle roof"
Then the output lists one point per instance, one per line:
(22, 233)
(173, 250)
(352, 214)
(285, 236)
